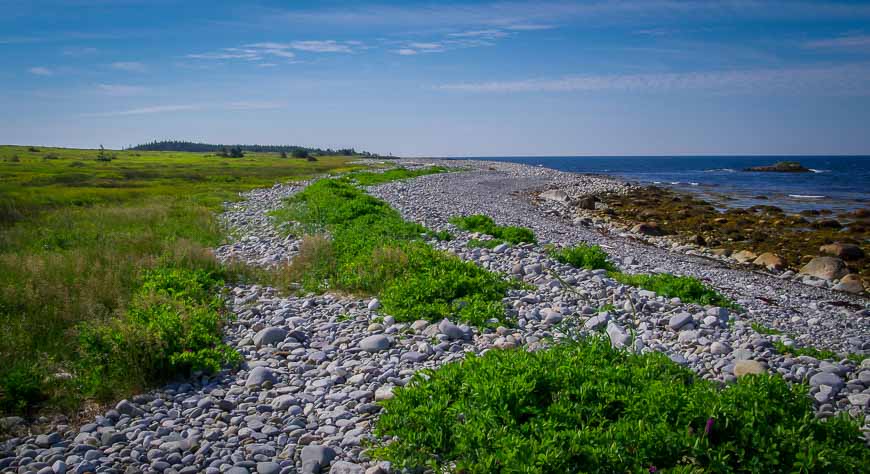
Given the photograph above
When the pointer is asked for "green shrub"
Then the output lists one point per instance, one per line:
(485, 225)
(590, 257)
(441, 235)
(21, 386)
(173, 327)
(688, 289)
(368, 178)
(589, 408)
(374, 251)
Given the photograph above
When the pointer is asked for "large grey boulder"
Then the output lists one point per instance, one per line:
(258, 376)
(315, 457)
(375, 343)
(270, 336)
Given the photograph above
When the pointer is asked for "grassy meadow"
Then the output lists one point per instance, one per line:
(82, 232)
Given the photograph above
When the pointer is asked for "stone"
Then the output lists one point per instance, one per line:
(859, 399)
(826, 378)
(648, 228)
(553, 317)
(59, 467)
(268, 468)
(744, 256)
(719, 348)
(315, 457)
(587, 202)
(258, 376)
(384, 392)
(270, 336)
(450, 330)
(825, 268)
(747, 367)
(850, 283)
(680, 320)
(344, 467)
(770, 261)
(283, 402)
(124, 407)
(618, 336)
(375, 343)
(374, 304)
(842, 250)
(46, 440)
(556, 195)
(596, 323)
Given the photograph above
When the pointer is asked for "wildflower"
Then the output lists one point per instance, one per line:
(709, 427)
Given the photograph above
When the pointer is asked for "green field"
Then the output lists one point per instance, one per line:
(82, 232)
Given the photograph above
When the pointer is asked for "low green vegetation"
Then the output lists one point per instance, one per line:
(485, 244)
(587, 407)
(485, 225)
(371, 178)
(688, 289)
(816, 353)
(762, 329)
(359, 244)
(79, 235)
(590, 257)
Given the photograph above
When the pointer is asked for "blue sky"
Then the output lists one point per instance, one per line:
(608, 77)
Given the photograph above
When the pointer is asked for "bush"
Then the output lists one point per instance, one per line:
(687, 289)
(485, 225)
(587, 407)
(368, 178)
(374, 251)
(173, 327)
(590, 257)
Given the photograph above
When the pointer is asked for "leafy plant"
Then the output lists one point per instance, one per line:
(688, 289)
(587, 407)
(372, 250)
(485, 225)
(487, 244)
(370, 178)
(590, 257)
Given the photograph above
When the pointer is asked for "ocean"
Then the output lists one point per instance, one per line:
(838, 183)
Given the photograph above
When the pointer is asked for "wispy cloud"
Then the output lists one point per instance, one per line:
(129, 66)
(41, 71)
(405, 51)
(848, 42)
(254, 105)
(261, 51)
(157, 109)
(487, 34)
(844, 80)
(120, 90)
(75, 52)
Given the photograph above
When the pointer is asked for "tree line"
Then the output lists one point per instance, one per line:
(238, 150)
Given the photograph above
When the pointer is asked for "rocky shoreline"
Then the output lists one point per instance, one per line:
(315, 366)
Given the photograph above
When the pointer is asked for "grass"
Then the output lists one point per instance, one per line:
(820, 354)
(369, 178)
(485, 225)
(590, 257)
(78, 235)
(687, 289)
(586, 407)
(359, 244)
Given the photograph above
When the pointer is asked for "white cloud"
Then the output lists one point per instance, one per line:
(157, 109)
(41, 71)
(529, 27)
(119, 90)
(327, 46)
(845, 80)
(406, 51)
(843, 42)
(129, 66)
(488, 34)
(253, 105)
(427, 46)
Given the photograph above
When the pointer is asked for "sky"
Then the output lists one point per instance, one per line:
(605, 77)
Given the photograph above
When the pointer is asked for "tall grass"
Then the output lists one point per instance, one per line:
(78, 237)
